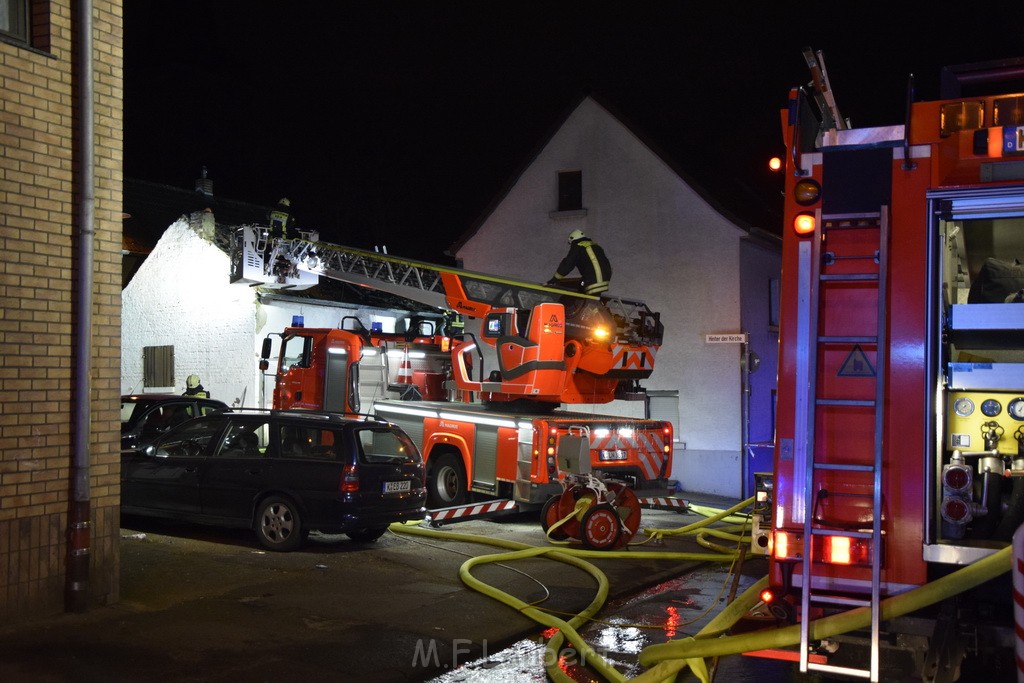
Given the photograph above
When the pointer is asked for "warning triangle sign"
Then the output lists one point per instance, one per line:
(856, 364)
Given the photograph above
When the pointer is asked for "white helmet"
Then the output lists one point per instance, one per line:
(575, 235)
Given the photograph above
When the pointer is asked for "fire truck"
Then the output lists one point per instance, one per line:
(482, 402)
(900, 419)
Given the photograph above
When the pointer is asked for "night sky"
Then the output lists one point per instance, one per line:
(399, 123)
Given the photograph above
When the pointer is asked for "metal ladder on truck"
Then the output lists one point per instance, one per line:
(830, 272)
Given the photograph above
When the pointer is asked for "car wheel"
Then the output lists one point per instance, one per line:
(279, 524)
(446, 482)
(368, 535)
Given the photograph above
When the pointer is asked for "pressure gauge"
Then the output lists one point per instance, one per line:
(1016, 409)
(964, 406)
(990, 407)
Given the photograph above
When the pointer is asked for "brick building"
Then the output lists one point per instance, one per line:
(61, 237)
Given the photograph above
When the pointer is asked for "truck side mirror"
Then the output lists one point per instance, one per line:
(265, 352)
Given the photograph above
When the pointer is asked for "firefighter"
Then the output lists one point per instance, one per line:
(588, 257)
(281, 221)
(194, 388)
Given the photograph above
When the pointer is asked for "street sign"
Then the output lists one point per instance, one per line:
(739, 338)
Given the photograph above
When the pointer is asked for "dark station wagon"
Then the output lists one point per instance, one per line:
(280, 473)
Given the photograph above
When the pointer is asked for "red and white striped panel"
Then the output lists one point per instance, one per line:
(664, 503)
(464, 512)
(1018, 599)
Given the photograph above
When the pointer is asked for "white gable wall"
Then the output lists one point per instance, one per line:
(180, 296)
(667, 246)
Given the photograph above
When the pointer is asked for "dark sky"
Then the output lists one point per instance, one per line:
(398, 123)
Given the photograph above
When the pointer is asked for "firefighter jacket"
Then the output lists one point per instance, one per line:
(281, 222)
(588, 257)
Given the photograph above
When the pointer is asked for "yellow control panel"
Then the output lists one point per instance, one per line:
(973, 414)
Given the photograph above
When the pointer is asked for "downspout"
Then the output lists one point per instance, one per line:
(76, 594)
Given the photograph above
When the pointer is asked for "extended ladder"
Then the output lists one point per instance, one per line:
(838, 273)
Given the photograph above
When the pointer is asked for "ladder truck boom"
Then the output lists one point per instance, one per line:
(552, 345)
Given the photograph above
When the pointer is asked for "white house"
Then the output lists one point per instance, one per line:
(181, 315)
(669, 246)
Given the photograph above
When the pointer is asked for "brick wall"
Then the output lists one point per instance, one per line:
(39, 188)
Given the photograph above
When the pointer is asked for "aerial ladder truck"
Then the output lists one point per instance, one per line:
(481, 402)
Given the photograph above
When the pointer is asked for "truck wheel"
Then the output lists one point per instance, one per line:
(367, 535)
(279, 524)
(446, 483)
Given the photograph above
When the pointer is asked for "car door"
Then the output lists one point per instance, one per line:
(165, 477)
(237, 470)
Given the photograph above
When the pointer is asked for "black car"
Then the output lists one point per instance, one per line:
(144, 417)
(280, 473)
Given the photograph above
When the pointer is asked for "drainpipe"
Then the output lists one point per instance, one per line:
(76, 594)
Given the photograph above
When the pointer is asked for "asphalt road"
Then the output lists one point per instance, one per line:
(207, 604)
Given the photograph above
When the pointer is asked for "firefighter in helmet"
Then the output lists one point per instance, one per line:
(586, 256)
(194, 388)
(281, 221)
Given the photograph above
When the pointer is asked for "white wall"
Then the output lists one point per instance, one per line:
(180, 296)
(668, 247)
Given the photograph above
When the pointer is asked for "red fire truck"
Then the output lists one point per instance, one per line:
(481, 403)
(900, 418)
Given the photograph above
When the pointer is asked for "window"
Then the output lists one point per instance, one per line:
(191, 440)
(384, 445)
(570, 190)
(297, 352)
(26, 22)
(298, 441)
(157, 365)
(244, 440)
(14, 19)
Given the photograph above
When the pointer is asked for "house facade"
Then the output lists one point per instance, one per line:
(182, 315)
(709, 278)
(60, 328)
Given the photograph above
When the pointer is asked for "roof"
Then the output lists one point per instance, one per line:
(648, 140)
(151, 207)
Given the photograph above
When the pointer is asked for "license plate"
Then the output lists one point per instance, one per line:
(397, 486)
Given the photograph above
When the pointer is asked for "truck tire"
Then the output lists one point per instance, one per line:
(279, 524)
(446, 482)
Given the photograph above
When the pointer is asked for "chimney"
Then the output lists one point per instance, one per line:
(204, 184)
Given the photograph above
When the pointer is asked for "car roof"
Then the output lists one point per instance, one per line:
(320, 417)
(160, 398)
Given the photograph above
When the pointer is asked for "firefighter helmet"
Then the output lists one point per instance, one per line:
(576, 235)
(192, 382)
(284, 201)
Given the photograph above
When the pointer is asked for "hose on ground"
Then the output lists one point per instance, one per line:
(575, 557)
(676, 654)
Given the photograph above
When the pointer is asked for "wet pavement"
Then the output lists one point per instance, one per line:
(210, 605)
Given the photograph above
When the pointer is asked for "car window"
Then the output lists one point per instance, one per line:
(206, 409)
(382, 444)
(192, 439)
(301, 441)
(127, 410)
(245, 440)
(155, 422)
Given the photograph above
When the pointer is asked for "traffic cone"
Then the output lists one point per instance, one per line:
(404, 370)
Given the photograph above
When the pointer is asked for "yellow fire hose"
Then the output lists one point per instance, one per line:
(573, 557)
(667, 659)
(673, 656)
